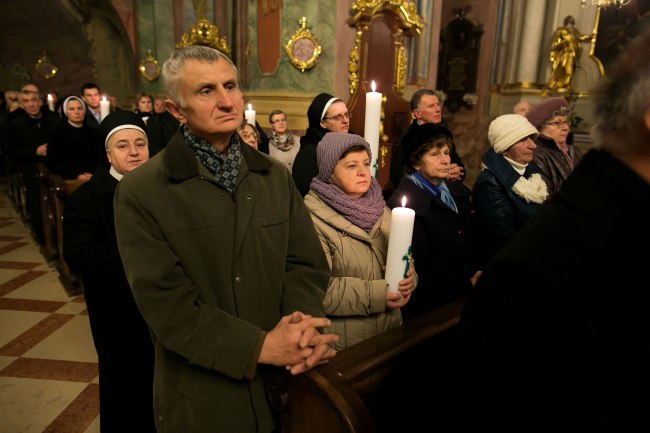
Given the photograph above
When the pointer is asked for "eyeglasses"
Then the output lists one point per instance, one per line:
(339, 117)
(246, 134)
(559, 123)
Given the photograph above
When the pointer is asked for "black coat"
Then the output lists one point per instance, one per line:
(160, 129)
(72, 151)
(305, 166)
(499, 211)
(121, 336)
(558, 328)
(444, 246)
(25, 134)
(397, 163)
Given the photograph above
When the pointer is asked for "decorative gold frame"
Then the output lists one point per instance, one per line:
(149, 68)
(45, 67)
(206, 34)
(303, 49)
(411, 25)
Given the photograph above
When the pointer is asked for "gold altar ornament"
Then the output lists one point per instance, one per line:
(303, 49)
(149, 67)
(45, 67)
(206, 34)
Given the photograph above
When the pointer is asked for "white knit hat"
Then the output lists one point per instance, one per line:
(507, 130)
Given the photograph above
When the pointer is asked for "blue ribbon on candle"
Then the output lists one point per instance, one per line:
(408, 258)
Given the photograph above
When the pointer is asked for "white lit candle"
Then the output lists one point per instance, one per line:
(250, 115)
(371, 128)
(105, 107)
(399, 245)
(50, 102)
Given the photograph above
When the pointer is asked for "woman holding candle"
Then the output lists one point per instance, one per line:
(510, 188)
(353, 224)
(444, 243)
(325, 114)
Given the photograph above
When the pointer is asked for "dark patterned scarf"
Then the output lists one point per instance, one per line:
(279, 144)
(225, 170)
(362, 212)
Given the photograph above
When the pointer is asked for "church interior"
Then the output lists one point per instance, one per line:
(481, 57)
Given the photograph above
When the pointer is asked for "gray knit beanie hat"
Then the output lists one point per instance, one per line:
(330, 149)
(507, 130)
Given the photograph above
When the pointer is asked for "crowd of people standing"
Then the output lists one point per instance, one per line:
(233, 252)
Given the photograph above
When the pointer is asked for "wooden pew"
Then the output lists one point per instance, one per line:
(49, 248)
(371, 387)
(61, 190)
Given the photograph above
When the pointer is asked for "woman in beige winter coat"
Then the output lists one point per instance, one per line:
(353, 223)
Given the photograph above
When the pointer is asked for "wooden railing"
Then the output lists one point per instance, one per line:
(373, 386)
(61, 190)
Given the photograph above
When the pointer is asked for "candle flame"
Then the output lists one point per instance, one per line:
(373, 86)
(404, 201)
(103, 98)
(250, 107)
(49, 96)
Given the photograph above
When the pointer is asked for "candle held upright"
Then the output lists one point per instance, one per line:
(250, 115)
(371, 127)
(399, 245)
(104, 107)
(50, 102)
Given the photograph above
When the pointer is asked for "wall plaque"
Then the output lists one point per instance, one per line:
(458, 64)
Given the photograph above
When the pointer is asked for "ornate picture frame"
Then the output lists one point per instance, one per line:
(45, 67)
(303, 49)
(149, 67)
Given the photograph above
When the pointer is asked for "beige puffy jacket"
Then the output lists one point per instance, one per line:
(356, 295)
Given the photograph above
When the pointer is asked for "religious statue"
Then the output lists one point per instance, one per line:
(566, 47)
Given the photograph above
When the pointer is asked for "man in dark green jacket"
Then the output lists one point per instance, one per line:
(222, 258)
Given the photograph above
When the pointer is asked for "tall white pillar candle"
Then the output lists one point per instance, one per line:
(104, 107)
(50, 102)
(250, 115)
(399, 245)
(371, 128)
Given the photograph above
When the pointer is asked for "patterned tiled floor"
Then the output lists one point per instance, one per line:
(48, 364)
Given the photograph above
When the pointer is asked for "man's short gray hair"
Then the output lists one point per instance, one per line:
(171, 70)
(417, 97)
(622, 100)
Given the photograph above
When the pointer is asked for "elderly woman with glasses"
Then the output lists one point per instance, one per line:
(353, 224)
(555, 155)
(325, 114)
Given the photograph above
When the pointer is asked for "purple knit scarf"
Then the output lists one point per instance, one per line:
(362, 212)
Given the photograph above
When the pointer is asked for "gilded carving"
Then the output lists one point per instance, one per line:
(303, 49)
(206, 34)
(405, 10)
(400, 69)
(353, 65)
(149, 67)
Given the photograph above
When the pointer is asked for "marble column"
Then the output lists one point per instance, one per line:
(532, 36)
(419, 53)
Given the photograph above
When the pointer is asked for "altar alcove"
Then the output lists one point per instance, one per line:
(380, 54)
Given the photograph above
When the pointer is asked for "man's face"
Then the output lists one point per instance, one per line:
(429, 110)
(91, 97)
(213, 103)
(31, 103)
